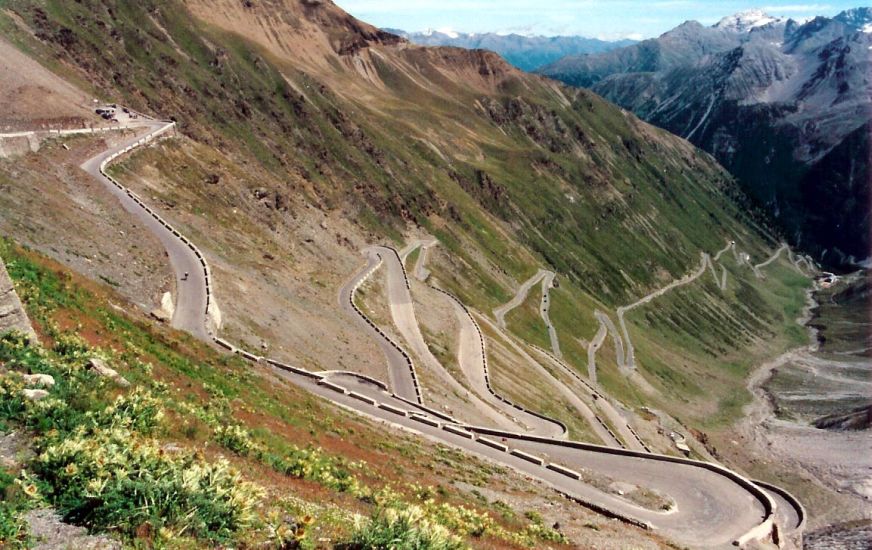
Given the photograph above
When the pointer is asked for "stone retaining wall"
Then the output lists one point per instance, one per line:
(12, 314)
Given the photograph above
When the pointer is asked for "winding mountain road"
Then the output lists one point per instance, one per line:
(191, 295)
(401, 371)
(403, 314)
(712, 506)
(771, 259)
(623, 310)
(519, 297)
(606, 326)
(545, 308)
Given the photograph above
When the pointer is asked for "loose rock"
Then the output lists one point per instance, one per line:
(101, 369)
(34, 395)
(44, 380)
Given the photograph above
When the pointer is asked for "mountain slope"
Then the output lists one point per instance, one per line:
(524, 52)
(769, 98)
(317, 134)
(304, 136)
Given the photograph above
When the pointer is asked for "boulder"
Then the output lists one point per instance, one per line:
(160, 315)
(43, 380)
(100, 368)
(34, 395)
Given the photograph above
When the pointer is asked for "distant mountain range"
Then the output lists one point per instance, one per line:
(786, 106)
(524, 52)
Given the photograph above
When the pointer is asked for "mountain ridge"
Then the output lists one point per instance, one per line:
(526, 52)
(769, 100)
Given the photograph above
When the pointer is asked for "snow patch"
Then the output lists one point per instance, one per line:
(867, 28)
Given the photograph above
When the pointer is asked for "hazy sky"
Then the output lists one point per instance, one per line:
(594, 18)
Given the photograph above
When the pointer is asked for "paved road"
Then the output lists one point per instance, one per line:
(470, 356)
(521, 295)
(771, 259)
(606, 325)
(631, 356)
(420, 271)
(473, 365)
(711, 509)
(403, 314)
(593, 347)
(400, 376)
(570, 396)
(190, 310)
(544, 308)
(601, 403)
(702, 517)
(730, 245)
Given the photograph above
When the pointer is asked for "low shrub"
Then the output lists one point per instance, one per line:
(409, 529)
(115, 479)
(314, 464)
(98, 464)
(13, 529)
(236, 439)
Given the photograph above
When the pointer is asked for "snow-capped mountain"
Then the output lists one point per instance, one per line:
(743, 22)
(785, 105)
(527, 52)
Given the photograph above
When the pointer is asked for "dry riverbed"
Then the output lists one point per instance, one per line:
(830, 377)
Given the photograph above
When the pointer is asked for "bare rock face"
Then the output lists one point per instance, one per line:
(12, 314)
(100, 368)
(859, 418)
(781, 104)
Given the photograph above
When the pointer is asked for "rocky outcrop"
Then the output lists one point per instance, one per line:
(51, 533)
(12, 314)
(39, 380)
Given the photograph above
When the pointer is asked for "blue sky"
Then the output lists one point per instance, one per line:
(606, 19)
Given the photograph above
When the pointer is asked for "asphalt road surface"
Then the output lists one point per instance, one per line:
(190, 310)
(400, 376)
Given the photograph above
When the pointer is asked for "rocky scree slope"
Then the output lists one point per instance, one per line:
(783, 105)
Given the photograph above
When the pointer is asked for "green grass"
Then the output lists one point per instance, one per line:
(698, 344)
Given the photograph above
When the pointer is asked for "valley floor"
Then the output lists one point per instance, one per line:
(831, 376)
